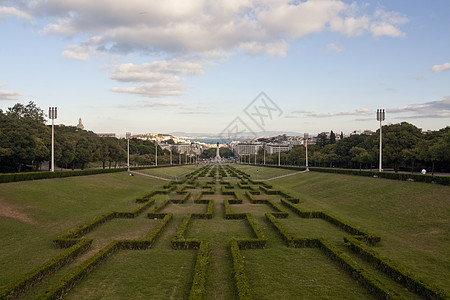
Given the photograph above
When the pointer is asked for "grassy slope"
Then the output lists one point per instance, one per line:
(413, 219)
(51, 207)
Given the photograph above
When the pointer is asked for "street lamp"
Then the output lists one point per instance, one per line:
(156, 152)
(381, 117)
(128, 135)
(264, 153)
(53, 114)
(306, 136)
(279, 155)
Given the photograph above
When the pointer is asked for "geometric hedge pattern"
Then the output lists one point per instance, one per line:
(232, 187)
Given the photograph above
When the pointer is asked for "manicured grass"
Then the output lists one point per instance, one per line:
(35, 212)
(289, 273)
(139, 274)
(261, 172)
(411, 218)
(175, 172)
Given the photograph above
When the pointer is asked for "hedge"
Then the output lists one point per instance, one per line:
(396, 272)
(14, 177)
(369, 281)
(198, 289)
(69, 280)
(444, 180)
(14, 289)
(370, 239)
(242, 283)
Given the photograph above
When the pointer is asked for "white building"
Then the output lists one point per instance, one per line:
(275, 148)
(246, 148)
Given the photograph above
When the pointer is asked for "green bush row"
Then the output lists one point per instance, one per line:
(370, 239)
(242, 283)
(445, 180)
(198, 290)
(14, 289)
(396, 272)
(367, 279)
(231, 215)
(14, 177)
(71, 237)
(259, 242)
(226, 190)
(209, 210)
(179, 242)
(70, 279)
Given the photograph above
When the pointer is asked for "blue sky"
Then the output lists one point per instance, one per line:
(194, 66)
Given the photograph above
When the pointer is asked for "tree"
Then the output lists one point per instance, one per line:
(332, 137)
(322, 140)
(30, 111)
(360, 155)
(398, 137)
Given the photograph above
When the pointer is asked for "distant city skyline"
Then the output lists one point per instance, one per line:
(171, 66)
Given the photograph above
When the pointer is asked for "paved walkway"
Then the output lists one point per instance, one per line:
(152, 176)
(281, 176)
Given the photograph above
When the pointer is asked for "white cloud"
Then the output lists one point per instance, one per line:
(153, 90)
(163, 78)
(153, 104)
(432, 109)
(79, 52)
(214, 27)
(335, 47)
(386, 24)
(9, 95)
(7, 11)
(441, 68)
(357, 112)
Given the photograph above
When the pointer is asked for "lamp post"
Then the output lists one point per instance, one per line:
(381, 117)
(264, 153)
(306, 136)
(170, 149)
(279, 156)
(53, 114)
(156, 152)
(128, 135)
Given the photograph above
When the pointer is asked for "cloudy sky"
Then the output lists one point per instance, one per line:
(196, 66)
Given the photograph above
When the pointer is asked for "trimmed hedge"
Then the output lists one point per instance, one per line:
(444, 180)
(198, 289)
(14, 177)
(370, 239)
(369, 281)
(14, 289)
(396, 272)
(242, 283)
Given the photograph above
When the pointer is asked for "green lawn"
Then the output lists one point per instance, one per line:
(412, 219)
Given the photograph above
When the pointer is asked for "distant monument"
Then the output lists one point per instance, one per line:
(80, 125)
(218, 158)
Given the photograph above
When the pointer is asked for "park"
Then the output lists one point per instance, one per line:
(224, 231)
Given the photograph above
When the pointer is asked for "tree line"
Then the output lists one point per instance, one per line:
(25, 143)
(405, 148)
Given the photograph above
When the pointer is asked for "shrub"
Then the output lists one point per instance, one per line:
(242, 283)
(198, 283)
(396, 272)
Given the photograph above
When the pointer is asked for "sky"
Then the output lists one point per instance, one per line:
(228, 67)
